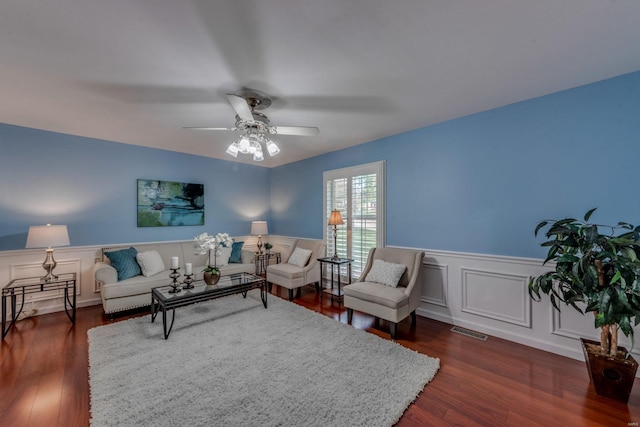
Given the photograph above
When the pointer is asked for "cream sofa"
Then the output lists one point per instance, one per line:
(135, 292)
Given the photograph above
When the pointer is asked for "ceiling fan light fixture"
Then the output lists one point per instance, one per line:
(233, 149)
(258, 156)
(244, 145)
(272, 148)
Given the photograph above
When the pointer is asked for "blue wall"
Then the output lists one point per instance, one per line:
(90, 185)
(475, 184)
(482, 182)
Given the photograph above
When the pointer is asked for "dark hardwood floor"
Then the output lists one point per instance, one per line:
(44, 376)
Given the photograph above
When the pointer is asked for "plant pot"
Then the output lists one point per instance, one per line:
(211, 278)
(611, 377)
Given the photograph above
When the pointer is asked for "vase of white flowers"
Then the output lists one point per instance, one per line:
(207, 244)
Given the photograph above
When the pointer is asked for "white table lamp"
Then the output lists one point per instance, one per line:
(259, 228)
(48, 236)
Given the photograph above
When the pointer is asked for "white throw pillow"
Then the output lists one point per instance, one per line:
(223, 257)
(150, 263)
(300, 257)
(386, 273)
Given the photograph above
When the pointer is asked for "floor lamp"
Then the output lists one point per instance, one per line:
(335, 219)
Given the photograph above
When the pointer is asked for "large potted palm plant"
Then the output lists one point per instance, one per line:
(599, 273)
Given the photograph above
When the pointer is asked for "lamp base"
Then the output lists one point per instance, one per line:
(49, 264)
(259, 245)
(335, 243)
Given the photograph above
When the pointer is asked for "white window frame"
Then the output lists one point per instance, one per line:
(349, 172)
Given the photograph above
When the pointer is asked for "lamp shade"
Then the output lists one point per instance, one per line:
(47, 236)
(335, 218)
(259, 228)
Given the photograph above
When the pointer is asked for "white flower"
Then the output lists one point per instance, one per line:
(205, 243)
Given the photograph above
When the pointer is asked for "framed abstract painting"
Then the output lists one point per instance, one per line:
(167, 203)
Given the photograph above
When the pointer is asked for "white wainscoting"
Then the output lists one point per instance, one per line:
(489, 294)
(80, 260)
(480, 292)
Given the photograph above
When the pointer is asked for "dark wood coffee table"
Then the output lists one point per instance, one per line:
(163, 300)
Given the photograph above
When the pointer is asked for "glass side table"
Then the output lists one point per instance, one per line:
(17, 289)
(263, 260)
(335, 264)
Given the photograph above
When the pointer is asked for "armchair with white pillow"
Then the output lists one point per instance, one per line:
(388, 287)
(300, 269)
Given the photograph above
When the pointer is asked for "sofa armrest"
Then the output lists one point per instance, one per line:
(104, 273)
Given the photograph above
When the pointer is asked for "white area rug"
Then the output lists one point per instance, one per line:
(231, 362)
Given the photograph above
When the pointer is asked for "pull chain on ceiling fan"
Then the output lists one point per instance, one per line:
(255, 125)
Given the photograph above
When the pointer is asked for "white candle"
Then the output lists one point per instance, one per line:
(187, 268)
(175, 262)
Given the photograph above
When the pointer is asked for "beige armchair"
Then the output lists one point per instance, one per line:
(292, 276)
(383, 301)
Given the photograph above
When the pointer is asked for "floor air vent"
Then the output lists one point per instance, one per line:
(467, 332)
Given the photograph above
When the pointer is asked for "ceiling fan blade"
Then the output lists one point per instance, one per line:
(206, 128)
(240, 106)
(297, 130)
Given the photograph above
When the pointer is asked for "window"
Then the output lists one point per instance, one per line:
(358, 193)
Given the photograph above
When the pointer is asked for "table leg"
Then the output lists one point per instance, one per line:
(164, 321)
(15, 313)
(72, 305)
(4, 316)
(321, 287)
(263, 293)
(154, 308)
(339, 284)
(74, 302)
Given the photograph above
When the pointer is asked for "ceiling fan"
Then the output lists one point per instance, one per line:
(255, 125)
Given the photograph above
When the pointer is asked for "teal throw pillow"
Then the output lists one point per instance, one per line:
(236, 253)
(124, 261)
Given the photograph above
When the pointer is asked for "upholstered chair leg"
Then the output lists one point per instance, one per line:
(270, 287)
(298, 293)
(393, 329)
(290, 294)
(349, 315)
(317, 285)
(413, 319)
(377, 322)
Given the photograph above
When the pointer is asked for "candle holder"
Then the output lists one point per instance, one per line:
(175, 285)
(188, 282)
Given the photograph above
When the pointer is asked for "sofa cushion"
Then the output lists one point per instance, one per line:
(150, 263)
(300, 257)
(378, 293)
(386, 273)
(223, 256)
(124, 261)
(236, 253)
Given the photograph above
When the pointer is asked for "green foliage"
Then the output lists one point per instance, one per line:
(575, 246)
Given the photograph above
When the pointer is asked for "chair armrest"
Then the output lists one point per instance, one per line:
(104, 273)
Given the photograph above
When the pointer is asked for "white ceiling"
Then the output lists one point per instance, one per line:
(136, 71)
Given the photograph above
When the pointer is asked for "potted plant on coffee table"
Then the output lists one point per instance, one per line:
(207, 244)
(601, 272)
